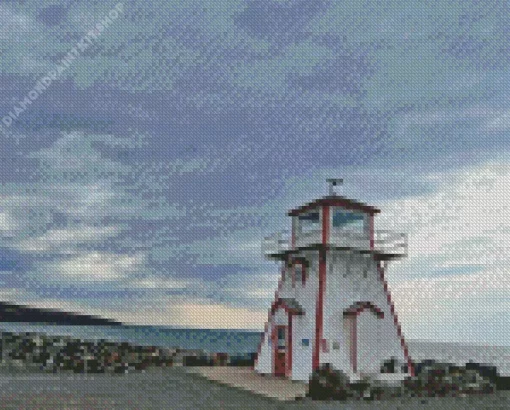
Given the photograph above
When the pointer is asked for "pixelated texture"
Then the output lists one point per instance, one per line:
(147, 148)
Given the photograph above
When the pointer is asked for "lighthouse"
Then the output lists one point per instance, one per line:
(333, 304)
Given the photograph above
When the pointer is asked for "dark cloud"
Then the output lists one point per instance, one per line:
(10, 260)
(345, 75)
(280, 22)
(52, 15)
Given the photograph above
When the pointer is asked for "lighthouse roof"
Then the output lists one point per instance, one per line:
(289, 304)
(335, 200)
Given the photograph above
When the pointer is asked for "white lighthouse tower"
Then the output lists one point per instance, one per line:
(333, 304)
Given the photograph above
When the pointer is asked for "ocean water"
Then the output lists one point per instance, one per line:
(459, 353)
(210, 340)
(238, 341)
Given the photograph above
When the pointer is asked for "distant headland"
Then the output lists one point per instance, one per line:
(20, 313)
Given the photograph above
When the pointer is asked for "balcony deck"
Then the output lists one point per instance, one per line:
(387, 244)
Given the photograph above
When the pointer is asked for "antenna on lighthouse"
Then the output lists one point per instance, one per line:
(333, 182)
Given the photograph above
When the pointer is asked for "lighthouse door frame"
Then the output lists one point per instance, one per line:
(350, 321)
(280, 349)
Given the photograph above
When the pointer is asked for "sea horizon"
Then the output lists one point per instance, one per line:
(32, 325)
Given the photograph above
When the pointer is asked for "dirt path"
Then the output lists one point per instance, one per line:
(247, 379)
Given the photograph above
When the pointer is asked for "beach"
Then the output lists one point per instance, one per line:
(174, 388)
(168, 388)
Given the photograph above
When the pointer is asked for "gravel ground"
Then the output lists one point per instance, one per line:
(156, 389)
(174, 389)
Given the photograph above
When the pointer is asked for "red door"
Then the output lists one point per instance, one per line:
(280, 349)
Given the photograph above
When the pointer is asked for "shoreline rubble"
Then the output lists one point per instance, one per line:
(432, 379)
(40, 352)
(48, 353)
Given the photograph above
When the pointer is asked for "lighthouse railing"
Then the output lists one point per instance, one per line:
(276, 243)
(390, 242)
(385, 242)
(308, 238)
(348, 238)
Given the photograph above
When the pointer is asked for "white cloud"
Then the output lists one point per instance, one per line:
(10, 294)
(8, 225)
(94, 267)
(489, 118)
(196, 313)
(159, 284)
(29, 212)
(239, 248)
(265, 294)
(65, 240)
(160, 310)
(87, 198)
(13, 24)
(465, 220)
(256, 285)
(74, 152)
(219, 316)
(155, 310)
(498, 121)
(459, 250)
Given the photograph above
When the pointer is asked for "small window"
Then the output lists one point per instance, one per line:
(287, 274)
(300, 272)
(305, 342)
(281, 333)
(336, 345)
(349, 220)
(309, 221)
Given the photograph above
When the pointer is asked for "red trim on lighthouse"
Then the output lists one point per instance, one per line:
(266, 325)
(356, 308)
(319, 317)
(354, 343)
(293, 233)
(334, 201)
(371, 231)
(395, 319)
(351, 314)
(280, 303)
(303, 264)
(325, 225)
(319, 310)
(288, 363)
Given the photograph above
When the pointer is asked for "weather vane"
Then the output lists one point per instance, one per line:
(333, 182)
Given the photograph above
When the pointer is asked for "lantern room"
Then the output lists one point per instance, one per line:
(338, 222)
(332, 220)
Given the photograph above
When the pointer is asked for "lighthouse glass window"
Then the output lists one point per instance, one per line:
(300, 273)
(309, 222)
(348, 220)
(281, 338)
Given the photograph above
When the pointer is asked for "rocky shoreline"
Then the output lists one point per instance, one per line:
(36, 352)
(45, 353)
(431, 379)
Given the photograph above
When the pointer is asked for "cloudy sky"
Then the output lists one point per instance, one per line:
(138, 182)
